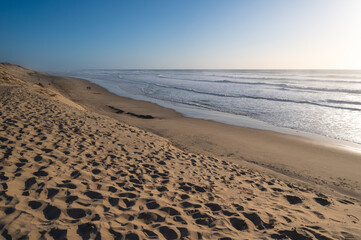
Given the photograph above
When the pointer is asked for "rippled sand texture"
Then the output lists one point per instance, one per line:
(70, 173)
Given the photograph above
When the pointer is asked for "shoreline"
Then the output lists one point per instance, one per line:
(244, 122)
(328, 165)
(221, 117)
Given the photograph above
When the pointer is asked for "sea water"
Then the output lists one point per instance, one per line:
(323, 102)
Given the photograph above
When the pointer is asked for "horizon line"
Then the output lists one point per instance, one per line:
(220, 69)
(199, 69)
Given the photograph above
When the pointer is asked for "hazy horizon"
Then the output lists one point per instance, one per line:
(244, 35)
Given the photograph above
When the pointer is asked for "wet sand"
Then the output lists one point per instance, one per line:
(80, 162)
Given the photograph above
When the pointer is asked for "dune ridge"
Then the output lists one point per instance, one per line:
(69, 173)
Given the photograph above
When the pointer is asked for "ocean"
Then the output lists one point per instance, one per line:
(321, 102)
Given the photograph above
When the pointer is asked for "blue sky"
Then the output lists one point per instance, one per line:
(268, 34)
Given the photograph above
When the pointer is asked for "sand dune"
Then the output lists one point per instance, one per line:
(67, 172)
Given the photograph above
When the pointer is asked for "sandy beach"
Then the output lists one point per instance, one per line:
(322, 163)
(78, 162)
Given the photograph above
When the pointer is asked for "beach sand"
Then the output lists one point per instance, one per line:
(334, 168)
(78, 162)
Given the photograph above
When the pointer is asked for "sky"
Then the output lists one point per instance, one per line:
(181, 34)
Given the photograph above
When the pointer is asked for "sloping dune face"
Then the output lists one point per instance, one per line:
(68, 173)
